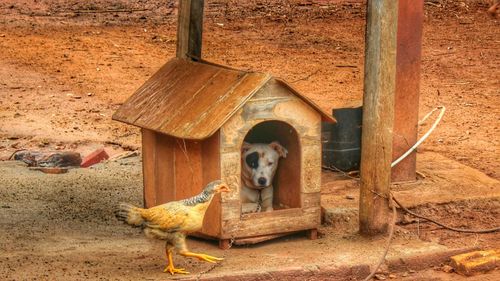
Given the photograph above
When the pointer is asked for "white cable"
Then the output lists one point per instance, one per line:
(425, 136)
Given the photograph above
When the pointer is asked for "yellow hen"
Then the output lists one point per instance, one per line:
(172, 221)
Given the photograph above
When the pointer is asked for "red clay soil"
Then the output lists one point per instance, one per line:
(67, 65)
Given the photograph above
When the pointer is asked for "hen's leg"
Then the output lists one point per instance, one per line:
(180, 244)
(202, 257)
(170, 262)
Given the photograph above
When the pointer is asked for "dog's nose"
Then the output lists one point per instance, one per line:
(262, 181)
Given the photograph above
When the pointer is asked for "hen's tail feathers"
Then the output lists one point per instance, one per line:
(129, 214)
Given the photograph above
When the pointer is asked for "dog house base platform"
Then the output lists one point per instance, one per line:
(225, 244)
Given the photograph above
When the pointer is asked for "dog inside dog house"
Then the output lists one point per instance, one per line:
(195, 118)
(284, 138)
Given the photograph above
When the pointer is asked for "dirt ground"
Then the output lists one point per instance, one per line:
(61, 227)
(66, 66)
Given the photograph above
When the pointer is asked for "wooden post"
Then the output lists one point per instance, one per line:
(224, 244)
(312, 234)
(378, 115)
(189, 29)
(409, 50)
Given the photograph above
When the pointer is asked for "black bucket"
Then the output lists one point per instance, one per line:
(342, 141)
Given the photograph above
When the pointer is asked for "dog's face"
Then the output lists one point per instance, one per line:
(260, 163)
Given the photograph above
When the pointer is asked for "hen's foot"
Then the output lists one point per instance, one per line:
(203, 257)
(172, 270)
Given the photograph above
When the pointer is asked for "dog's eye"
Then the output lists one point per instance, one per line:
(270, 163)
(252, 160)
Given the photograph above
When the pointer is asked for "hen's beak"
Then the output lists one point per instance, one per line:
(222, 188)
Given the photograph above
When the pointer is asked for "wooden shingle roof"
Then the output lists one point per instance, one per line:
(192, 100)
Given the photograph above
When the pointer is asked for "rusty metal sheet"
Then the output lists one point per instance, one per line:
(192, 100)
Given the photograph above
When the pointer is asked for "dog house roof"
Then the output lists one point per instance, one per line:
(192, 100)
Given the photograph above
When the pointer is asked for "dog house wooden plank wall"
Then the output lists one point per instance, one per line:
(195, 117)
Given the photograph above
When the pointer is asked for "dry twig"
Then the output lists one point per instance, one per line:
(108, 11)
(391, 233)
(306, 77)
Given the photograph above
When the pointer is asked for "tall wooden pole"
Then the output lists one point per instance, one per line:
(378, 115)
(410, 22)
(189, 29)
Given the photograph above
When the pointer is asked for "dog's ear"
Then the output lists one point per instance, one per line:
(282, 152)
(245, 147)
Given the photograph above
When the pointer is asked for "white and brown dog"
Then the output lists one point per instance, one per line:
(259, 164)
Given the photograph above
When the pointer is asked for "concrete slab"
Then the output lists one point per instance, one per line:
(444, 180)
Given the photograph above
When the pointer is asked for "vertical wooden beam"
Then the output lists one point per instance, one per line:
(189, 29)
(312, 234)
(148, 167)
(378, 115)
(157, 168)
(224, 244)
(165, 185)
(409, 50)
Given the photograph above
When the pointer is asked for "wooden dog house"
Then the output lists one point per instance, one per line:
(195, 117)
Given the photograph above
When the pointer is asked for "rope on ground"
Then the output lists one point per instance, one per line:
(393, 225)
(391, 233)
(213, 266)
(392, 198)
(335, 169)
(464, 230)
(443, 109)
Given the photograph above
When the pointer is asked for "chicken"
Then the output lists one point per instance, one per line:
(172, 221)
